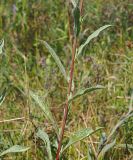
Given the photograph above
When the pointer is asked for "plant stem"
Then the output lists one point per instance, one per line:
(66, 105)
(69, 24)
(74, 46)
(81, 7)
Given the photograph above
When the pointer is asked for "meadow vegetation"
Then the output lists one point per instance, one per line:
(35, 58)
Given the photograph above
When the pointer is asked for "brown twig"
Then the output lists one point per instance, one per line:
(12, 120)
(124, 97)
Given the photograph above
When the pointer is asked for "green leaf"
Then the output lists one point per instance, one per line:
(44, 136)
(2, 96)
(14, 149)
(131, 103)
(56, 58)
(103, 140)
(76, 16)
(73, 3)
(119, 124)
(80, 135)
(45, 108)
(43, 105)
(92, 36)
(89, 155)
(106, 149)
(85, 91)
(1, 46)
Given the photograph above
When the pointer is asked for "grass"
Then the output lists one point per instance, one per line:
(26, 65)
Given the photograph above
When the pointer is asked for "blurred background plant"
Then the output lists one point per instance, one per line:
(27, 66)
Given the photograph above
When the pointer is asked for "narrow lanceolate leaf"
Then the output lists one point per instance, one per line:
(45, 108)
(85, 91)
(44, 136)
(56, 58)
(14, 149)
(119, 124)
(80, 135)
(92, 36)
(89, 157)
(43, 105)
(1, 46)
(76, 16)
(106, 149)
(131, 103)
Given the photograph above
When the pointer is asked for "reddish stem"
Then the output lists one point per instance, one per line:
(81, 6)
(74, 46)
(66, 105)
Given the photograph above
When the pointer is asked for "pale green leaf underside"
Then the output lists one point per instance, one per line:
(43, 105)
(44, 136)
(92, 36)
(14, 149)
(56, 58)
(80, 135)
(73, 3)
(85, 91)
(45, 108)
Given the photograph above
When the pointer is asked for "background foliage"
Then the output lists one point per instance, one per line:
(26, 65)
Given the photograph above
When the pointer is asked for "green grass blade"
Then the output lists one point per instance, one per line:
(56, 58)
(44, 136)
(92, 36)
(14, 149)
(106, 149)
(1, 46)
(76, 16)
(119, 124)
(89, 155)
(2, 96)
(85, 91)
(80, 135)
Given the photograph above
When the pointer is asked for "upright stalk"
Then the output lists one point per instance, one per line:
(66, 105)
(74, 46)
(81, 6)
